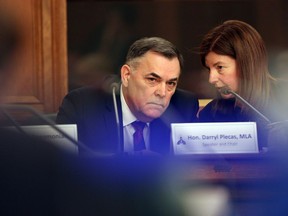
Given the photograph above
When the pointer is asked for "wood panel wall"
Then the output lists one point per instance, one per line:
(40, 69)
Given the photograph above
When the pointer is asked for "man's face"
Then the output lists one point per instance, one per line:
(149, 86)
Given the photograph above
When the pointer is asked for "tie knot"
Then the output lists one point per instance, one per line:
(138, 125)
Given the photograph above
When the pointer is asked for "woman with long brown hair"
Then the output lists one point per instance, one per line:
(235, 55)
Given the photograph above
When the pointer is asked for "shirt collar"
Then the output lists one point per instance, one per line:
(127, 115)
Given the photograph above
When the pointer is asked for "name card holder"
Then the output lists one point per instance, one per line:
(50, 134)
(214, 138)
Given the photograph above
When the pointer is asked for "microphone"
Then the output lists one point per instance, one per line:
(111, 84)
(227, 90)
(115, 88)
(6, 107)
(277, 140)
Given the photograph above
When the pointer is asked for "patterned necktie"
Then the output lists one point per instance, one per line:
(139, 143)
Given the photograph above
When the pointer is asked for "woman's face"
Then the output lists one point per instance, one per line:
(222, 72)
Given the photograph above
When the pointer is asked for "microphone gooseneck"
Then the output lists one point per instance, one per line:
(227, 91)
(36, 113)
(115, 87)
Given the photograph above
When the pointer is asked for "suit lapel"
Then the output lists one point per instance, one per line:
(111, 125)
(160, 130)
(160, 136)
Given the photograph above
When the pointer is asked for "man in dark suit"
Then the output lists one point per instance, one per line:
(147, 94)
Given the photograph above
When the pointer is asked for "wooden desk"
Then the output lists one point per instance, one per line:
(223, 167)
(253, 181)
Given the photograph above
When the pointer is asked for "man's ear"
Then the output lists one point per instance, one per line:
(125, 74)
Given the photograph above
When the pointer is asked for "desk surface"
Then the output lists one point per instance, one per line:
(223, 167)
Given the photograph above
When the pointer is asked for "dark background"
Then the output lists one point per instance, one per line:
(100, 32)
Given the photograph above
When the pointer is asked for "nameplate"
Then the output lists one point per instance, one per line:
(214, 138)
(53, 136)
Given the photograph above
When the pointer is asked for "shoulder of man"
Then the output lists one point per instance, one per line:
(183, 107)
(184, 94)
(80, 103)
(217, 108)
(87, 91)
(185, 101)
(87, 95)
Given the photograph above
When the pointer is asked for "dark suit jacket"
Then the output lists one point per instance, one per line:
(93, 112)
